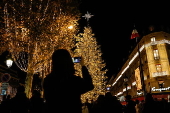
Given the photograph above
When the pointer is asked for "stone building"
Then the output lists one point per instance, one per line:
(147, 69)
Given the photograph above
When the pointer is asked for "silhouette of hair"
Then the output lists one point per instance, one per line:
(149, 97)
(128, 97)
(62, 62)
(108, 94)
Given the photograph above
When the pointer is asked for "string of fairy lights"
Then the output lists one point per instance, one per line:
(32, 30)
(88, 48)
(35, 29)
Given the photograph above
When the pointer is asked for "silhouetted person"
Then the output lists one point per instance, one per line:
(98, 106)
(37, 103)
(141, 104)
(62, 88)
(112, 104)
(137, 106)
(5, 104)
(163, 106)
(130, 106)
(88, 105)
(150, 105)
(20, 103)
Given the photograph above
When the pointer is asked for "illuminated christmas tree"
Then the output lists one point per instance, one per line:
(32, 29)
(88, 48)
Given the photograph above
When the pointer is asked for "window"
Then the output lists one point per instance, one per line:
(153, 39)
(161, 83)
(156, 54)
(159, 68)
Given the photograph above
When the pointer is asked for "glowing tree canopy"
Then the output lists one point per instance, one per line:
(32, 29)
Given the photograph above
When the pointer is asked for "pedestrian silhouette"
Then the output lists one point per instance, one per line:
(63, 87)
(98, 106)
(163, 106)
(111, 104)
(137, 105)
(130, 106)
(150, 106)
(5, 104)
(141, 104)
(20, 103)
(87, 105)
(37, 103)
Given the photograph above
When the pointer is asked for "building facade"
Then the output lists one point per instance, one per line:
(147, 69)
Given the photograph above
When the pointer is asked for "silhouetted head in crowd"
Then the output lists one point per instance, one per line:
(149, 97)
(137, 101)
(128, 97)
(108, 95)
(114, 98)
(62, 62)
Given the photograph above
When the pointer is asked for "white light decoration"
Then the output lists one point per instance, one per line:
(134, 83)
(70, 27)
(9, 62)
(87, 16)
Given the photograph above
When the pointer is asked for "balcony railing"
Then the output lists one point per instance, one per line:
(162, 73)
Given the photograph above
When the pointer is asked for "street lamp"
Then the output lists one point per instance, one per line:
(9, 61)
(126, 80)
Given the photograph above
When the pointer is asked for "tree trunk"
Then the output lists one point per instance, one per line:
(28, 83)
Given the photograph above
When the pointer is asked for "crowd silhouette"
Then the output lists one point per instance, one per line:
(104, 104)
(37, 102)
(63, 90)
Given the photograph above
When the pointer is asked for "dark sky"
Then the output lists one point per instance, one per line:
(113, 23)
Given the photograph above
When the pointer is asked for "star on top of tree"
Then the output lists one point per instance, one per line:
(87, 16)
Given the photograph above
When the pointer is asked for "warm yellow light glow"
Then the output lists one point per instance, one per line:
(33, 30)
(31, 37)
(70, 27)
(9, 62)
(88, 48)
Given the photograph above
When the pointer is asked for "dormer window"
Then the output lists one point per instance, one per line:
(153, 39)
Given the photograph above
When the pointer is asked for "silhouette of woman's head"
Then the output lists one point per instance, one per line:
(62, 61)
(108, 95)
(149, 97)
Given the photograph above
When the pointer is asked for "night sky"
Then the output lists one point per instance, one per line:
(113, 23)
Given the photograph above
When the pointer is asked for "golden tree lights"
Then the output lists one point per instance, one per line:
(88, 48)
(32, 30)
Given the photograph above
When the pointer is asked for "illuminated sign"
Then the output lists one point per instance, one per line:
(160, 89)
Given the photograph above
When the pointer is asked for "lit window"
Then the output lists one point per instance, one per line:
(156, 54)
(158, 67)
(161, 83)
(153, 39)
